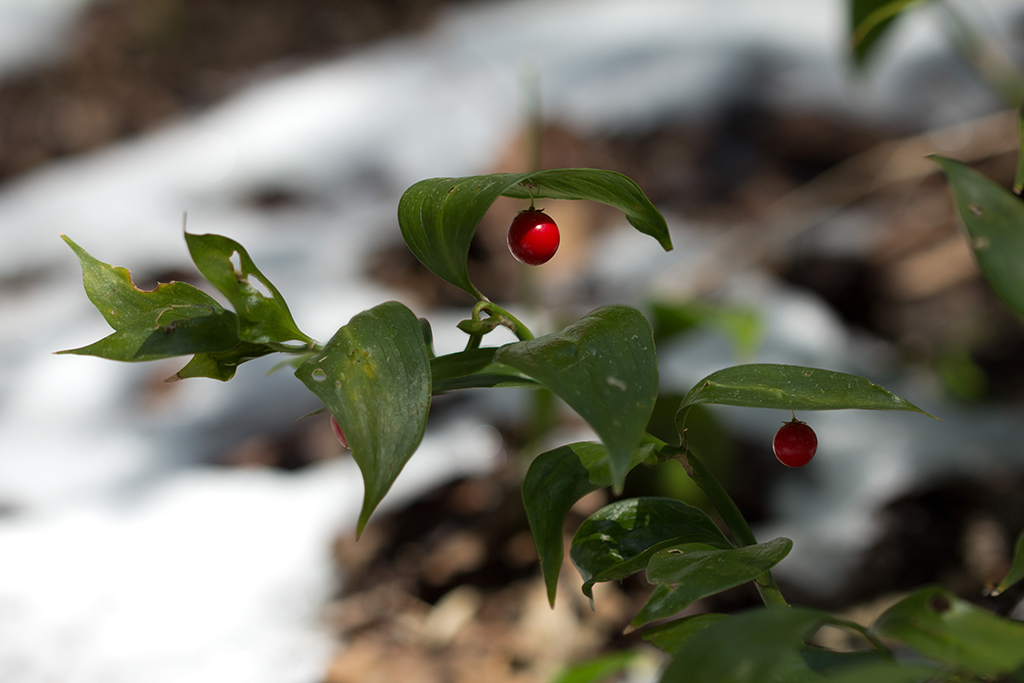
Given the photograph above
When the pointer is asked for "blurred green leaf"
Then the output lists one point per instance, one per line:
(691, 571)
(742, 326)
(871, 19)
(671, 635)
(597, 669)
(263, 316)
(618, 540)
(604, 366)
(173, 319)
(374, 377)
(1016, 572)
(555, 481)
(789, 387)
(944, 628)
(994, 219)
(439, 216)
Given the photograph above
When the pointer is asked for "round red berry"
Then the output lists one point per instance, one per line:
(336, 428)
(533, 237)
(795, 444)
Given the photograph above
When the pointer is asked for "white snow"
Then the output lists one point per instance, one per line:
(124, 557)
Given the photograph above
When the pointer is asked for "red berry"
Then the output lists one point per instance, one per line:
(336, 428)
(795, 444)
(533, 237)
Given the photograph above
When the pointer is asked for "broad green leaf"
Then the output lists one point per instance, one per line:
(604, 366)
(263, 316)
(221, 365)
(757, 646)
(374, 377)
(870, 19)
(473, 369)
(619, 539)
(554, 482)
(886, 671)
(439, 216)
(172, 320)
(944, 628)
(671, 635)
(597, 669)
(994, 219)
(686, 573)
(1016, 572)
(790, 387)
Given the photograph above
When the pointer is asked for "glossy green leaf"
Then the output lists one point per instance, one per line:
(474, 369)
(618, 540)
(439, 216)
(221, 365)
(790, 387)
(686, 573)
(173, 319)
(604, 366)
(374, 377)
(1016, 572)
(994, 219)
(671, 635)
(871, 19)
(263, 315)
(944, 628)
(555, 481)
(597, 669)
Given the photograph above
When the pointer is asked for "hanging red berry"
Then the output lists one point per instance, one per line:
(336, 428)
(533, 237)
(795, 443)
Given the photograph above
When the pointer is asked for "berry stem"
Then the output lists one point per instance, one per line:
(505, 318)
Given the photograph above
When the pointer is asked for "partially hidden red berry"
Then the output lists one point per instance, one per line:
(795, 443)
(336, 428)
(533, 237)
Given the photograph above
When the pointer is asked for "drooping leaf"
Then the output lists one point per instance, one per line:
(555, 481)
(944, 628)
(618, 540)
(221, 365)
(994, 219)
(374, 377)
(691, 571)
(173, 319)
(263, 315)
(870, 20)
(790, 387)
(1016, 572)
(604, 366)
(439, 216)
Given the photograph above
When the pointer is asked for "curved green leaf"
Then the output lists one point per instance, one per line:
(172, 320)
(944, 628)
(473, 369)
(1016, 572)
(870, 19)
(221, 365)
(619, 539)
(374, 377)
(555, 481)
(691, 571)
(604, 366)
(439, 216)
(598, 669)
(671, 635)
(994, 219)
(263, 315)
(790, 387)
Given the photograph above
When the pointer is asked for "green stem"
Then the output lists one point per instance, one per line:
(513, 323)
(733, 518)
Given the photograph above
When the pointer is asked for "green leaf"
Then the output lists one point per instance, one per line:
(263, 316)
(883, 671)
(944, 628)
(994, 219)
(691, 571)
(789, 387)
(374, 377)
(1016, 572)
(671, 635)
(742, 326)
(618, 540)
(474, 369)
(221, 365)
(172, 320)
(554, 482)
(604, 366)
(870, 19)
(598, 668)
(439, 216)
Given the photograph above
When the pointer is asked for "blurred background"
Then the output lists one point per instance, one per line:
(202, 531)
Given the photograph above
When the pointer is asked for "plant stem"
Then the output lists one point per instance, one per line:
(513, 323)
(726, 507)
